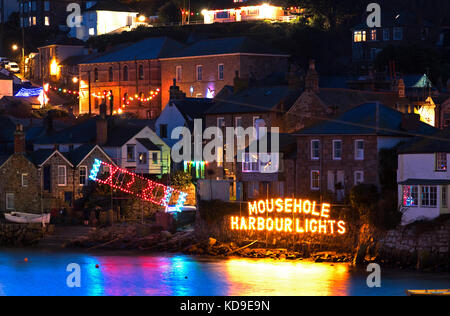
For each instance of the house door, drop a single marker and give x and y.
(47, 179)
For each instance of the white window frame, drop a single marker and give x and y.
(426, 196)
(335, 141)
(236, 119)
(85, 176)
(315, 188)
(61, 167)
(441, 158)
(221, 119)
(179, 73)
(312, 149)
(218, 72)
(361, 173)
(357, 150)
(412, 193)
(25, 176)
(197, 77)
(249, 166)
(7, 199)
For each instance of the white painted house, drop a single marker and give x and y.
(6, 86)
(141, 151)
(103, 18)
(424, 179)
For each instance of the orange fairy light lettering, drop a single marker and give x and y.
(269, 224)
(313, 226)
(243, 224)
(270, 209)
(252, 208)
(288, 225)
(307, 207)
(325, 210)
(298, 227)
(322, 227)
(279, 224)
(279, 204)
(261, 223)
(234, 223)
(297, 206)
(288, 206)
(341, 230)
(262, 207)
(313, 212)
(332, 226)
(251, 223)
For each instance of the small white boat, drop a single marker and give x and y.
(26, 218)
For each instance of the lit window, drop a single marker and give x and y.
(337, 149)
(359, 36)
(220, 75)
(34, 20)
(62, 178)
(155, 158)
(398, 33)
(131, 153)
(373, 35)
(250, 163)
(10, 201)
(219, 157)
(199, 73)
(179, 70)
(359, 177)
(410, 196)
(315, 150)
(142, 158)
(83, 175)
(429, 196)
(91, 31)
(24, 180)
(441, 161)
(315, 180)
(47, 21)
(359, 150)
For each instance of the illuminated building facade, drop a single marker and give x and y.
(204, 68)
(249, 11)
(423, 178)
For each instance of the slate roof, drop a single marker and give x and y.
(252, 100)
(439, 143)
(150, 48)
(148, 144)
(7, 129)
(118, 136)
(288, 144)
(228, 45)
(346, 99)
(192, 108)
(77, 155)
(362, 120)
(39, 156)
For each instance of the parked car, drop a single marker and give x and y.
(13, 67)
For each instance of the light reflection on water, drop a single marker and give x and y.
(45, 274)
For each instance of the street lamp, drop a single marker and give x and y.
(16, 47)
(75, 80)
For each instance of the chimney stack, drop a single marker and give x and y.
(175, 93)
(102, 126)
(400, 87)
(312, 78)
(19, 140)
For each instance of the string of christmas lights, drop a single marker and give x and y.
(146, 190)
(65, 91)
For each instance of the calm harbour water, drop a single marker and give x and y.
(132, 274)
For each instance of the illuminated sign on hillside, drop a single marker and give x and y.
(289, 216)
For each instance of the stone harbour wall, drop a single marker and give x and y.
(21, 235)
